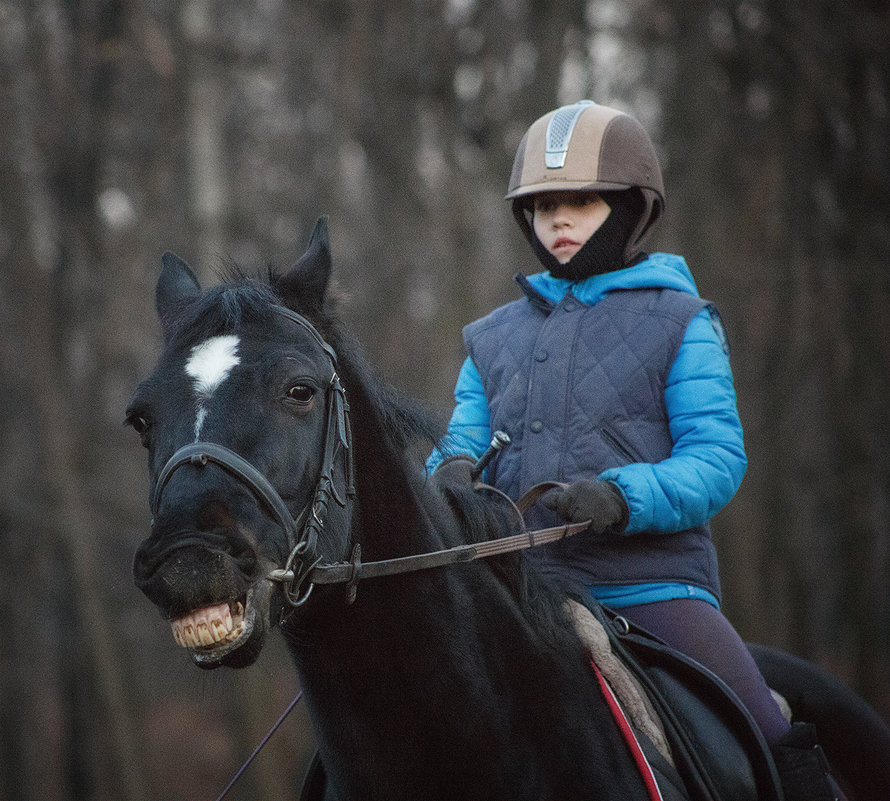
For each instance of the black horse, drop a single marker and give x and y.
(283, 472)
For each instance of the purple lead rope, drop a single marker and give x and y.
(260, 746)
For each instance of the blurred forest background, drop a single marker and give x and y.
(221, 129)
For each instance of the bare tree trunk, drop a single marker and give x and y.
(56, 517)
(206, 107)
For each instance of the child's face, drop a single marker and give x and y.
(564, 221)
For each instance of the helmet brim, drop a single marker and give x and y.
(558, 185)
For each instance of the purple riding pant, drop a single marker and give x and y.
(700, 631)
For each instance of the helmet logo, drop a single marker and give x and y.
(559, 133)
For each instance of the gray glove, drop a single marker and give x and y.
(600, 502)
(455, 471)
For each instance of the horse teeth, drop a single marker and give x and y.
(235, 633)
(185, 636)
(208, 626)
(204, 635)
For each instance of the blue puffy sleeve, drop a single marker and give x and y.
(469, 430)
(708, 459)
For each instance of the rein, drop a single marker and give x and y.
(350, 572)
(303, 568)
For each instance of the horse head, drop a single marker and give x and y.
(247, 431)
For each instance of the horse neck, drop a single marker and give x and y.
(396, 676)
(391, 509)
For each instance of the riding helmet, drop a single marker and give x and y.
(586, 146)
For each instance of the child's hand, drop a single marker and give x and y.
(600, 502)
(455, 471)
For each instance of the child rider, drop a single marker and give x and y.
(612, 375)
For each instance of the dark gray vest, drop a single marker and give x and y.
(580, 389)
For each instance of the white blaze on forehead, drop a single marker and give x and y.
(211, 362)
(209, 365)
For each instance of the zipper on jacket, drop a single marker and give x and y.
(535, 298)
(617, 445)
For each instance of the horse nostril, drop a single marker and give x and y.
(215, 516)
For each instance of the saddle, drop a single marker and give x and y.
(689, 724)
(703, 732)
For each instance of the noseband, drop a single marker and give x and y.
(301, 531)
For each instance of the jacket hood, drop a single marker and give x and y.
(659, 270)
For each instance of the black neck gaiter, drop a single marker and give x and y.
(603, 251)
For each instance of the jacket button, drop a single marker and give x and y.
(570, 306)
(541, 356)
(537, 426)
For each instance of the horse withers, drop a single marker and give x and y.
(279, 460)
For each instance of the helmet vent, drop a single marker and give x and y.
(559, 133)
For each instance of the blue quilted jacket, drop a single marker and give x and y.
(696, 460)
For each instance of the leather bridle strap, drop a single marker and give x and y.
(199, 454)
(342, 572)
(300, 320)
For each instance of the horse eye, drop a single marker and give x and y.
(301, 394)
(137, 422)
(141, 425)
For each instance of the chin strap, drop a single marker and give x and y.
(603, 252)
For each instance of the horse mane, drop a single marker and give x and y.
(228, 306)
(541, 600)
(392, 434)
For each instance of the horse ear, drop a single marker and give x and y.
(307, 282)
(177, 286)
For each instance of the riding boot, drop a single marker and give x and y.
(803, 768)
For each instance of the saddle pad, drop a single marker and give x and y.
(630, 693)
(630, 738)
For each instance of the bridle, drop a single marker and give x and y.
(301, 531)
(304, 567)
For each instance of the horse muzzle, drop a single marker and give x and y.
(205, 575)
(218, 605)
